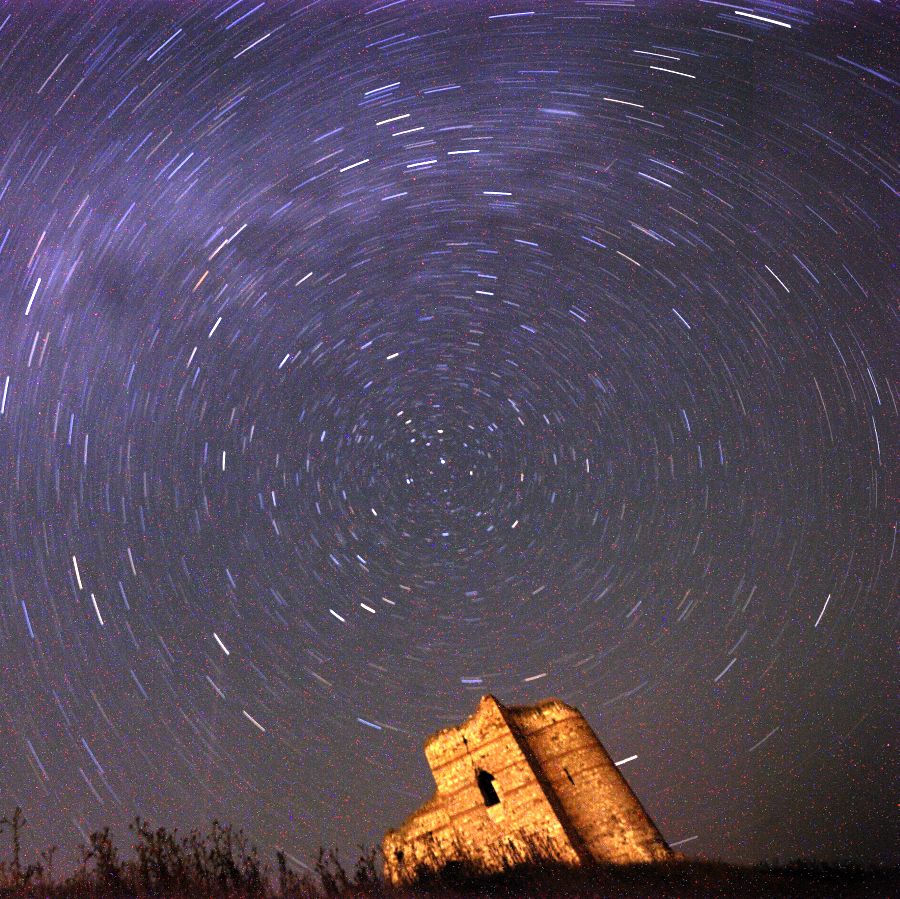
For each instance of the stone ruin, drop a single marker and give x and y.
(521, 784)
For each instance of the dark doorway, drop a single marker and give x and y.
(488, 790)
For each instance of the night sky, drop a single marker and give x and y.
(358, 360)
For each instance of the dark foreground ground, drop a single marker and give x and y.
(679, 880)
(222, 864)
(686, 880)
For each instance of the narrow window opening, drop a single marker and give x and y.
(571, 781)
(488, 791)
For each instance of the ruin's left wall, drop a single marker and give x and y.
(425, 839)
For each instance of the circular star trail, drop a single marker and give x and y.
(357, 360)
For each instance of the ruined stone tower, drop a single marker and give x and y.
(514, 783)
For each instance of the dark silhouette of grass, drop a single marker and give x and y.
(223, 864)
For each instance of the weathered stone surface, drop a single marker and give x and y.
(519, 783)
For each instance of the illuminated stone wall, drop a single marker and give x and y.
(518, 783)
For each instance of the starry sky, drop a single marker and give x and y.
(360, 359)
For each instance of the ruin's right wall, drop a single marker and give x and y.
(592, 793)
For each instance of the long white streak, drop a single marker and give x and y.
(53, 73)
(253, 721)
(384, 87)
(97, 609)
(251, 46)
(396, 118)
(165, 43)
(219, 641)
(216, 250)
(724, 671)
(3, 402)
(511, 15)
(750, 15)
(823, 611)
(777, 278)
(233, 236)
(682, 842)
(77, 573)
(630, 758)
(673, 72)
(763, 740)
(347, 168)
(624, 102)
(657, 180)
(37, 285)
(660, 55)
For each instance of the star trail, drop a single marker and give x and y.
(360, 359)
